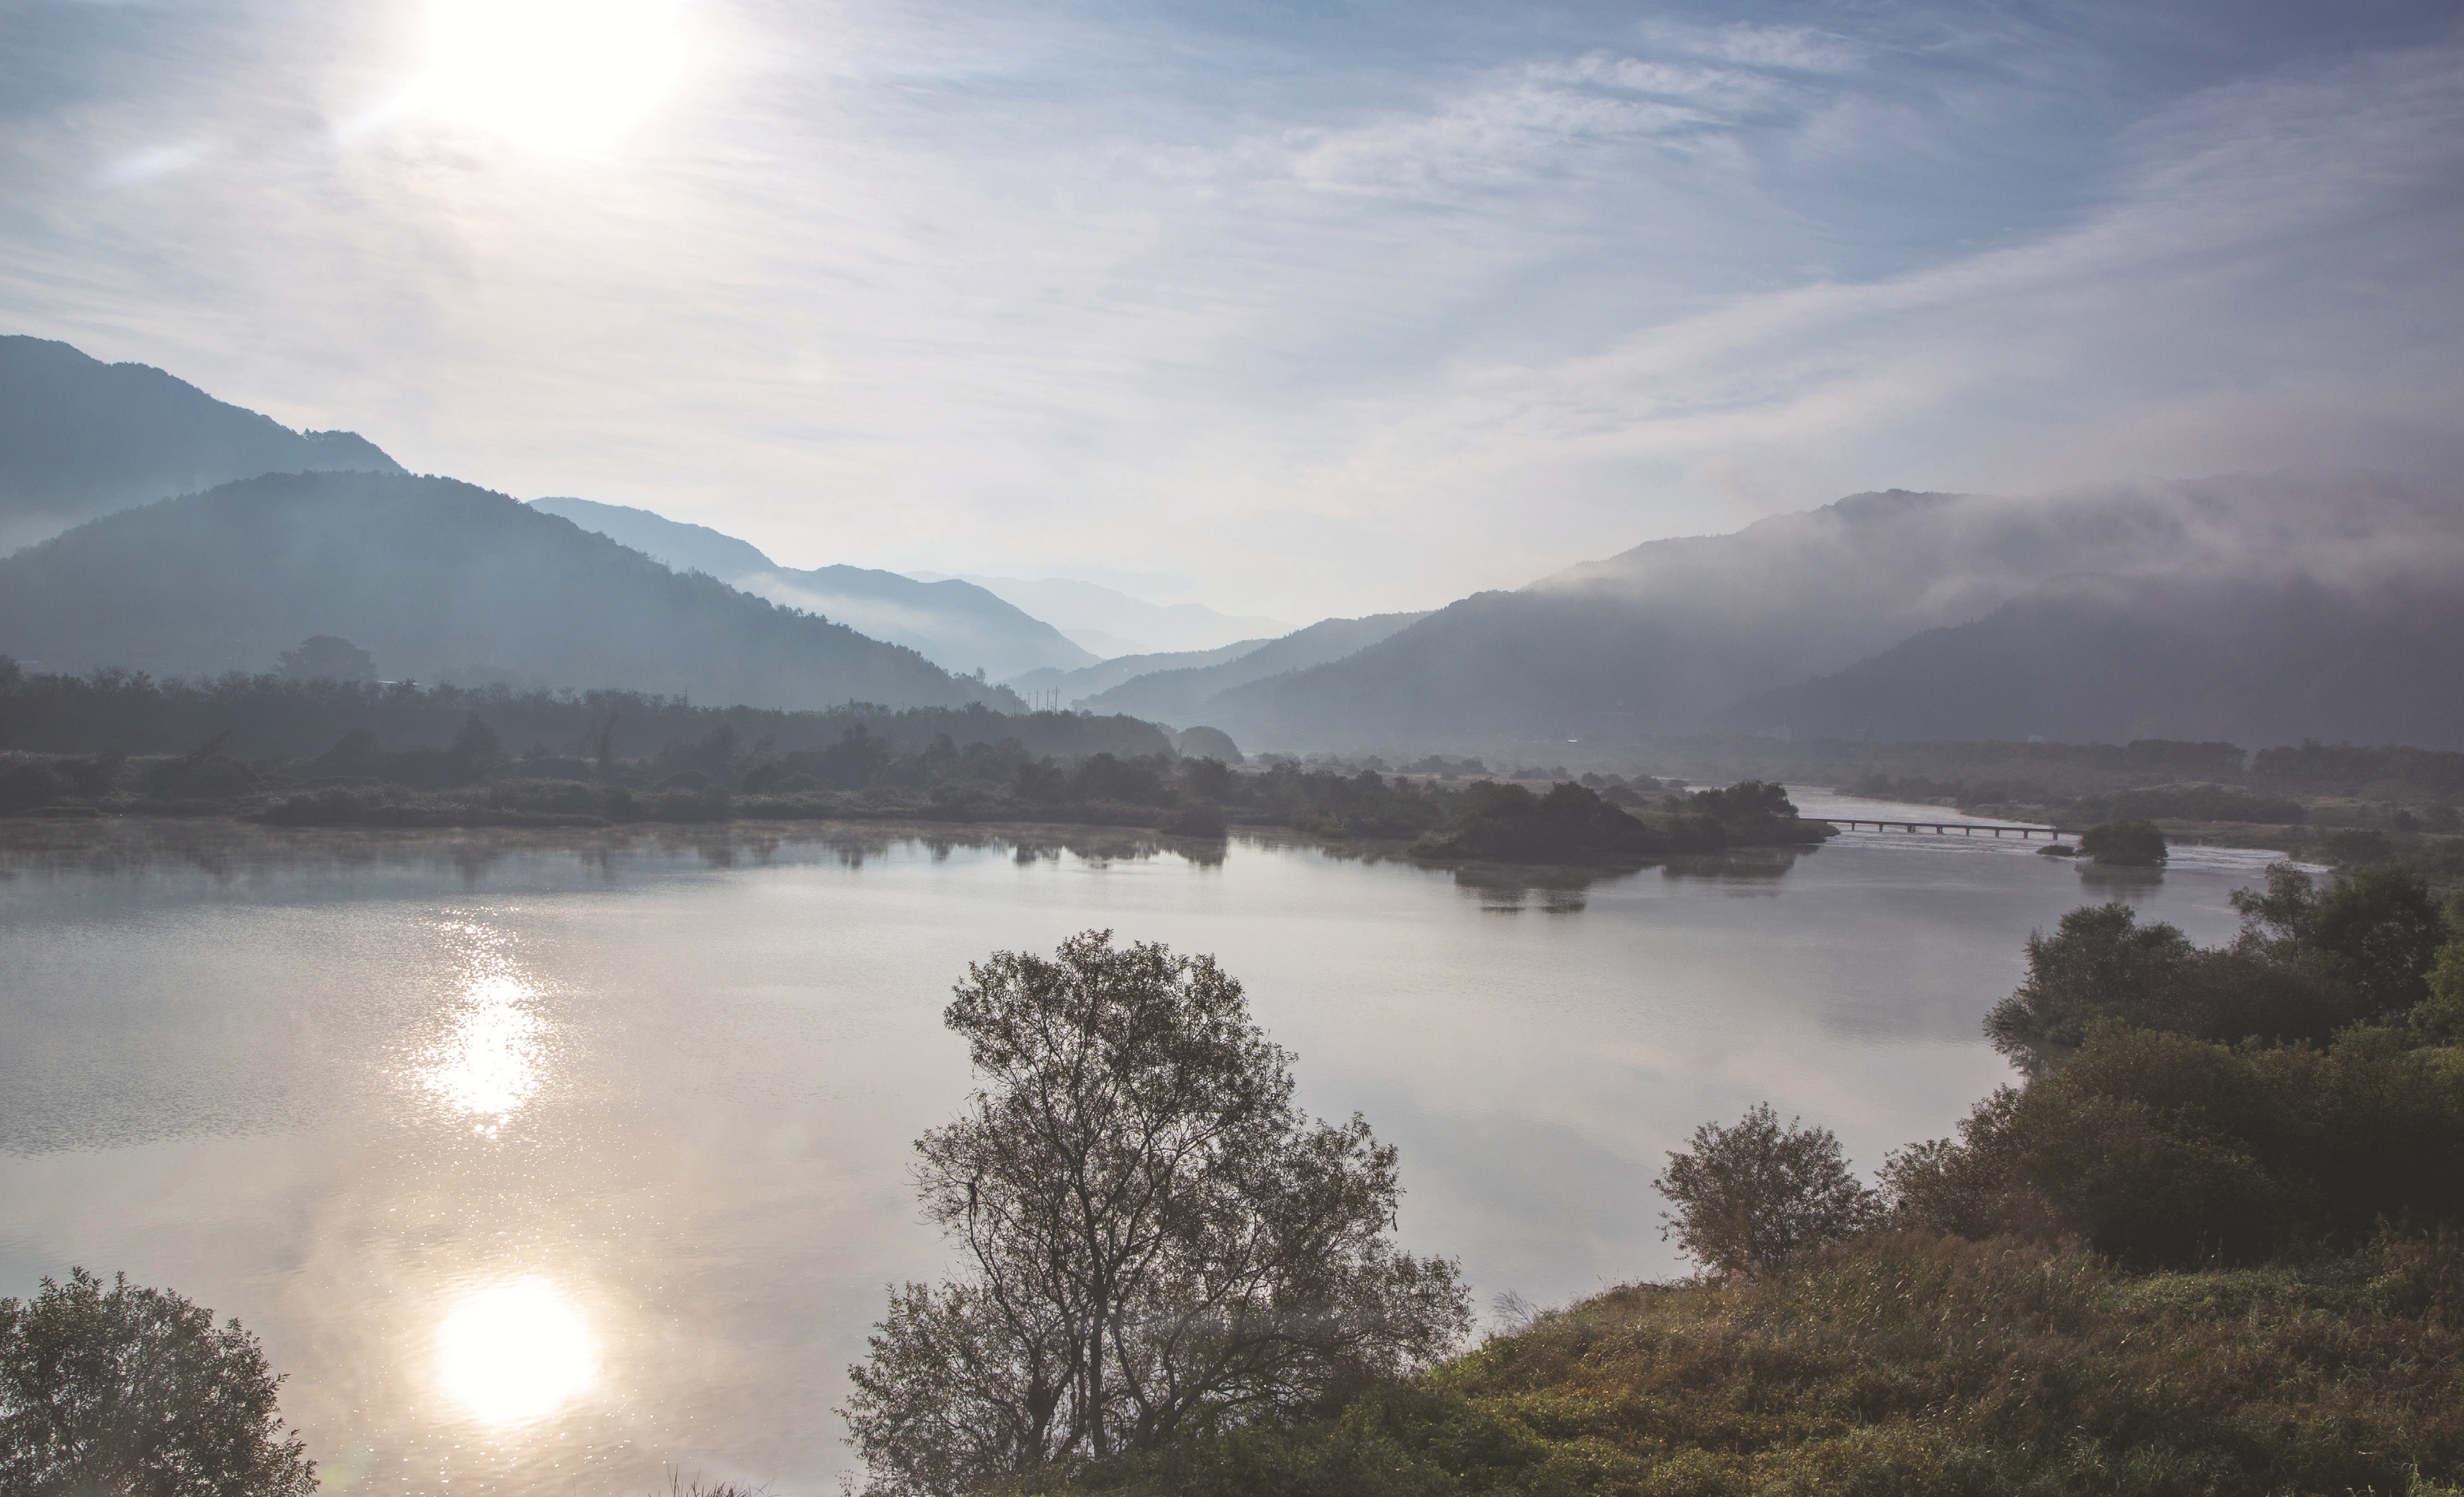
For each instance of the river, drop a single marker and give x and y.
(551, 1163)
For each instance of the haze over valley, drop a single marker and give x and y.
(939, 750)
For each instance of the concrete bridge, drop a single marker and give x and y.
(1943, 829)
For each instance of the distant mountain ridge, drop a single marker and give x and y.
(2257, 661)
(1669, 636)
(1085, 682)
(80, 438)
(1187, 693)
(1112, 623)
(957, 626)
(441, 581)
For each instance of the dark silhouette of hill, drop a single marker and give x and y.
(440, 581)
(2101, 659)
(1187, 693)
(80, 438)
(956, 625)
(1663, 638)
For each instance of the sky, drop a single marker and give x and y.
(1300, 309)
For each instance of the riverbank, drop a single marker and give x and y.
(1912, 1364)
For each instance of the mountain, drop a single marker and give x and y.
(80, 438)
(1086, 681)
(441, 581)
(1663, 638)
(1112, 623)
(956, 624)
(2250, 660)
(1187, 693)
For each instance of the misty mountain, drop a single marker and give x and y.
(1113, 624)
(956, 624)
(1086, 681)
(1187, 693)
(1664, 637)
(80, 438)
(441, 581)
(2254, 661)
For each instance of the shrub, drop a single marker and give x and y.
(1756, 1195)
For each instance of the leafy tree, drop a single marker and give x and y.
(1161, 1244)
(2125, 844)
(2440, 1016)
(1753, 1195)
(2386, 928)
(110, 1389)
(326, 657)
(1745, 801)
(2099, 963)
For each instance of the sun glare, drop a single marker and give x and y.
(515, 1351)
(552, 75)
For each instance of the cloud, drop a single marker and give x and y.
(2269, 283)
(1328, 326)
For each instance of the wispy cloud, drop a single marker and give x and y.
(1327, 328)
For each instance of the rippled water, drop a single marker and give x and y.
(549, 1162)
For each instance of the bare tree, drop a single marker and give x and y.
(1162, 1244)
(1754, 1194)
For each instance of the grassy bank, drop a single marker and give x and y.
(1913, 1363)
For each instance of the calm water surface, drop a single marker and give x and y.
(550, 1164)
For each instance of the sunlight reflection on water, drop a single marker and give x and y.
(515, 1351)
(491, 1062)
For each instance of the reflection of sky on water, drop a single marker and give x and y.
(548, 1162)
(489, 1064)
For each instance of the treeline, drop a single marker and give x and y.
(2041, 773)
(119, 712)
(874, 769)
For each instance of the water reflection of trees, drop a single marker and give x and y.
(2107, 881)
(228, 853)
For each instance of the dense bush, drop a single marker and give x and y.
(1756, 1196)
(2163, 1150)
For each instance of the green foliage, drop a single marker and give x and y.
(1911, 1363)
(2385, 929)
(2307, 964)
(2163, 1149)
(2125, 844)
(1160, 1245)
(1754, 1194)
(109, 1389)
(2198, 802)
(1507, 823)
(2440, 1017)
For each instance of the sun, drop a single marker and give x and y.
(515, 1351)
(558, 77)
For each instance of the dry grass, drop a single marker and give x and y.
(1915, 1364)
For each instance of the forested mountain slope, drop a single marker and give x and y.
(2099, 659)
(1186, 694)
(80, 438)
(441, 581)
(1667, 637)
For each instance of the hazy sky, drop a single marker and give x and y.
(1323, 308)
